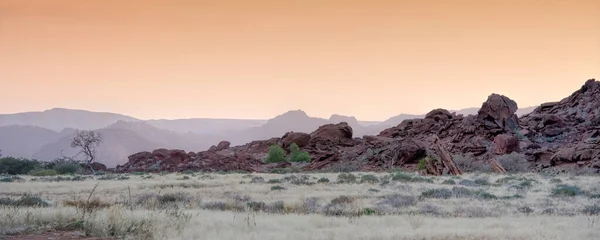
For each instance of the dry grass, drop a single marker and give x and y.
(244, 206)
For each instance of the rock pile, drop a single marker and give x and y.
(559, 133)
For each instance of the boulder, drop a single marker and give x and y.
(222, 146)
(499, 111)
(300, 139)
(505, 144)
(333, 132)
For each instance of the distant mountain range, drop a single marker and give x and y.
(45, 135)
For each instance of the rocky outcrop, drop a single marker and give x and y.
(564, 132)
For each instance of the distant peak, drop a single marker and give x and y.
(295, 113)
(341, 118)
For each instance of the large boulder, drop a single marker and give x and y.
(222, 145)
(499, 111)
(332, 135)
(300, 139)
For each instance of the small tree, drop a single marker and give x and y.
(276, 154)
(87, 142)
(297, 155)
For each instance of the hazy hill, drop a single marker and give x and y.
(206, 125)
(59, 118)
(23, 141)
(296, 120)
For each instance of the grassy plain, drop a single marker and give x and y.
(304, 206)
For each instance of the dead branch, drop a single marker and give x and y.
(445, 157)
(496, 166)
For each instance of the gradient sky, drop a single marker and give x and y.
(256, 59)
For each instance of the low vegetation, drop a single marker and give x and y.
(277, 154)
(22, 166)
(38, 196)
(359, 205)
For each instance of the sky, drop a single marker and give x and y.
(257, 59)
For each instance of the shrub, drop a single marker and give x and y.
(274, 180)
(301, 157)
(346, 178)
(277, 187)
(422, 164)
(437, 193)
(323, 180)
(591, 210)
(370, 178)
(467, 182)
(67, 168)
(449, 182)
(17, 166)
(340, 206)
(297, 155)
(555, 180)
(87, 206)
(276, 154)
(404, 177)
(566, 191)
(398, 201)
(514, 162)
(10, 179)
(482, 182)
(24, 201)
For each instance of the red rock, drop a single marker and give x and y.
(499, 110)
(300, 139)
(222, 146)
(505, 144)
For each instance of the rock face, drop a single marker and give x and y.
(565, 132)
(505, 144)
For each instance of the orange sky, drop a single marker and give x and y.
(257, 59)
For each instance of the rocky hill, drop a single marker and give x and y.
(555, 134)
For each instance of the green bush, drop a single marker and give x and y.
(17, 166)
(323, 180)
(566, 191)
(67, 168)
(297, 155)
(370, 178)
(276, 154)
(449, 182)
(301, 157)
(422, 164)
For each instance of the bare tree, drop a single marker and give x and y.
(87, 142)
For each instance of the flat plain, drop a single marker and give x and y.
(298, 206)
